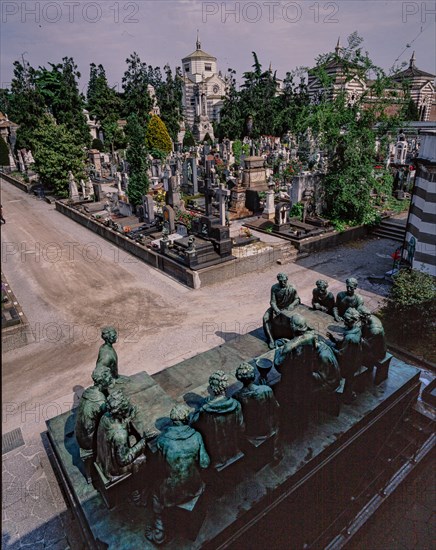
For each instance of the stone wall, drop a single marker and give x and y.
(20, 184)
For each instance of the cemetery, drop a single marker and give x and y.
(293, 434)
(198, 238)
(211, 451)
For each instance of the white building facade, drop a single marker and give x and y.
(203, 91)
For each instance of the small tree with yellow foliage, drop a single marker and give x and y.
(157, 138)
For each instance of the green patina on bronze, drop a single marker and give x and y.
(322, 300)
(182, 454)
(220, 422)
(107, 356)
(346, 299)
(284, 299)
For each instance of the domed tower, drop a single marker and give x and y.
(203, 90)
(422, 89)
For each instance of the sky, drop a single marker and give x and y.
(286, 34)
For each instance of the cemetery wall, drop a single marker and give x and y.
(193, 279)
(240, 266)
(167, 265)
(20, 184)
(321, 242)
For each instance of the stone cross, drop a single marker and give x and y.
(208, 191)
(222, 193)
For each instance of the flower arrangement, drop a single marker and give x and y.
(159, 197)
(185, 217)
(245, 232)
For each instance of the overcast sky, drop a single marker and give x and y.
(287, 34)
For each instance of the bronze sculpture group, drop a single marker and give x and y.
(216, 435)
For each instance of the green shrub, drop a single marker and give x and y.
(410, 309)
(97, 144)
(188, 139)
(297, 210)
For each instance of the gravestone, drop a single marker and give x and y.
(125, 208)
(84, 189)
(21, 166)
(223, 194)
(191, 180)
(148, 206)
(169, 218)
(173, 197)
(308, 183)
(252, 200)
(281, 217)
(73, 191)
(181, 229)
(98, 192)
(166, 177)
(124, 181)
(94, 157)
(118, 182)
(237, 208)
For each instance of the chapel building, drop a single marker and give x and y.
(203, 91)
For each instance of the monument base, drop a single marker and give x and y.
(287, 503)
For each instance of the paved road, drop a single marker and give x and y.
(71, 283)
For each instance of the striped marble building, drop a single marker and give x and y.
(421, 86)
(421, 222)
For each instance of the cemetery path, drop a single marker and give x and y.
(71, 282)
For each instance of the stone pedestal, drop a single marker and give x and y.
(254, 174)
(94, 157)
(269, 210)
(237, 207)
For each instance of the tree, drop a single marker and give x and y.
(231, 120)
(208, 139)
(4, 152)
(5, 101)
(157, 137)
(103, 101)
(26, 104)
(272, 112)
(136, 156)
(411, 111)
(169, 96)
(292, 104)
(114, 137)
(347, 132)
(60, 90)
(136, 99)
(188, 139)
(56, 153)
